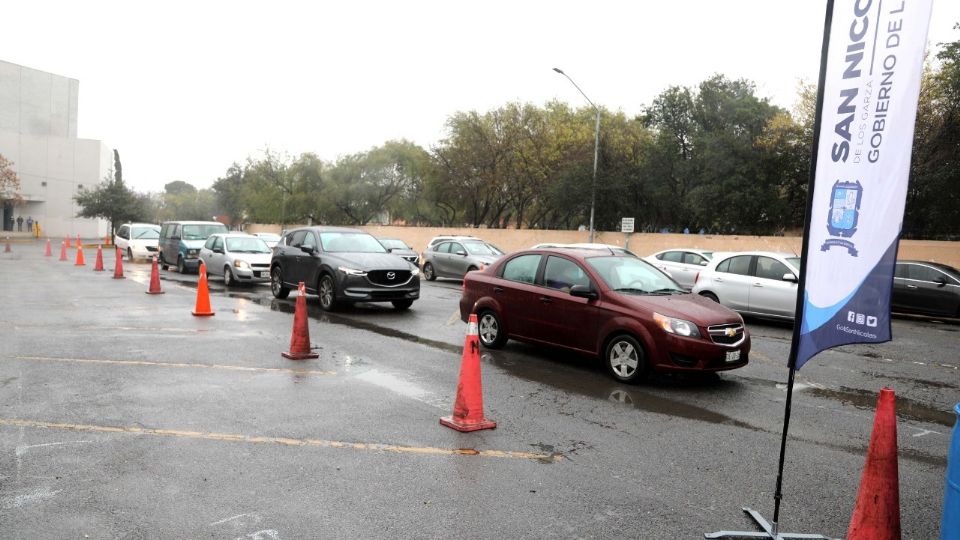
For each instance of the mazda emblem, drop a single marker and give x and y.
(391, 275)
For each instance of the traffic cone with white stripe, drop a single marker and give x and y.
(63, 251)
(300, 339)
(79, 261)
(47, 252)
(98, 266)
(468, 407)
(154, 278)
(118, 264)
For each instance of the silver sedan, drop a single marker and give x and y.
(759, 283)
(238, 257)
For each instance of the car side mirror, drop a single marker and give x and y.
(390, 250)
(583, 291)
(462, 253)
(310, 250)
(704, 263)
(790, 277)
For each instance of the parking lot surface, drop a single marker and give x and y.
(124, 416)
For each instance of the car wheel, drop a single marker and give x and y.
(402, 305)
(228, 279)
(181, 266)
(130, 254)
(625, 359)
(163, 264)
(491, 331)
(326, 290)
(276, 284)
(428, 272)
(471, 269)
(711, 296)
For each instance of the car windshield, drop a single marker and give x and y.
(393, 243)
(794, 261)
(250, 244)
(144, 233)
(630, 275)
(338, 242)
(481, 248)
(202, 231)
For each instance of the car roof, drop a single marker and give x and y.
(695, 250)
(325, 228)
(939, 266)
(141, 225)
(192, 222)
(784, 254)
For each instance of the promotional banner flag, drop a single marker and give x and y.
(870, 88)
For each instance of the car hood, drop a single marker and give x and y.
(404, 252)
(371, 261)
(691, 307)
(252, 258)
(193, 244)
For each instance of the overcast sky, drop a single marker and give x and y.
(185, 88)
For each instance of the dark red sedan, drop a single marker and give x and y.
(615, 306)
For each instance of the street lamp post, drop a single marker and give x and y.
(596, 149)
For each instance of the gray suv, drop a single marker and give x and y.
(454, 258)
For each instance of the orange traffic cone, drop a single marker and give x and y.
(118, 264)
(468, 408)
(78, 240)
(66, 240)
(300, 339)
(876, 515)
(63, 251)
(79, 261)
(98, 265)
(154, 278)
(202, 308)
(47, 252)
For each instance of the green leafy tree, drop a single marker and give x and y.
(113, 201)
(9, 182)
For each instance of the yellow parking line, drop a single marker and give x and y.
(286, 441)
(294, 371)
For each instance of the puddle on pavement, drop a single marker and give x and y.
(906, 408)
(313, 312)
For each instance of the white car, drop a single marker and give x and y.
(759, 283)
(137, 240)
(238, 257)
(682, 264)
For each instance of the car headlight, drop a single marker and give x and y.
(414, 271)
(193, 252)
(351, 271)
(241, 264)
(679, 327)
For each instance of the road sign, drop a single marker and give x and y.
(626, 225)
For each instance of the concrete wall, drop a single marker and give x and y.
(641, 244)
(38, 133)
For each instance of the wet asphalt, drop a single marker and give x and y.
(122, 415)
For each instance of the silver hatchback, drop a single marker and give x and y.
(238, 257)
(454, 258)
(759, 283)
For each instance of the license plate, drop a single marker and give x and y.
(733, 356)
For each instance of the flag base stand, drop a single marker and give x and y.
(769, 531)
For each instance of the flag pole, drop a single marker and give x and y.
(771, 530)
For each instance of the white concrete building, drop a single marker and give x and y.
(38, 133)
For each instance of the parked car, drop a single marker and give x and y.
(399, 247)
(759, 283)
(927, 288)
(269, 238)
(237, 257)
(683, 264)
(454, 258)
(443, 237)
(603, 247)
(137, 240)
(180, 243)
(611, 305)
(342, 266)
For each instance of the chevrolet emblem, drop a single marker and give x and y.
(730, 332)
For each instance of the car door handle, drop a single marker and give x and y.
(498, 289)
(546, 300)
(718, 279)
(911, 286)
(758, 284)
